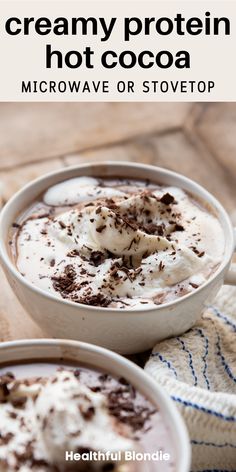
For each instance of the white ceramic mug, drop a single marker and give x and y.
(125, 331)
(99, 358)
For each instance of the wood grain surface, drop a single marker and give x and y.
(198, 140)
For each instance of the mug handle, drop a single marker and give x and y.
(230, 278)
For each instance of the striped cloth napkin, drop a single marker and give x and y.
(198, 370)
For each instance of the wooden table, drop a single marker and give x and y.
(198, 140)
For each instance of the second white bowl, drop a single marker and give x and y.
(102, 359)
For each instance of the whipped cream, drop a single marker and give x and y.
(44, 418)
(122, 244)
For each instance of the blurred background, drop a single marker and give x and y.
(197, 140)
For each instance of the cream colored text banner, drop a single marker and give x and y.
(117, 51)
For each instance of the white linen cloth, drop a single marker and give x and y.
(198, 370)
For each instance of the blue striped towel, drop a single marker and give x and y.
(198, 370)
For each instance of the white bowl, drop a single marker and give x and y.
(125, 331)
(99, 358)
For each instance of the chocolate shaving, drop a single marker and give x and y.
(87, 413)
(97, 258)
(201, 254)
(167, 199)
(121, 405)
(62, 225)
(196, 251)
(111, 204)
(193, 285)
(65, 283)
(5, 438)
(73, 253)
(98, 210)
(19, 402)
(178, 227)
(95, 300)
(161, 266)
(154, 229)
(77, 373)
(5, 380)
(100, 228)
